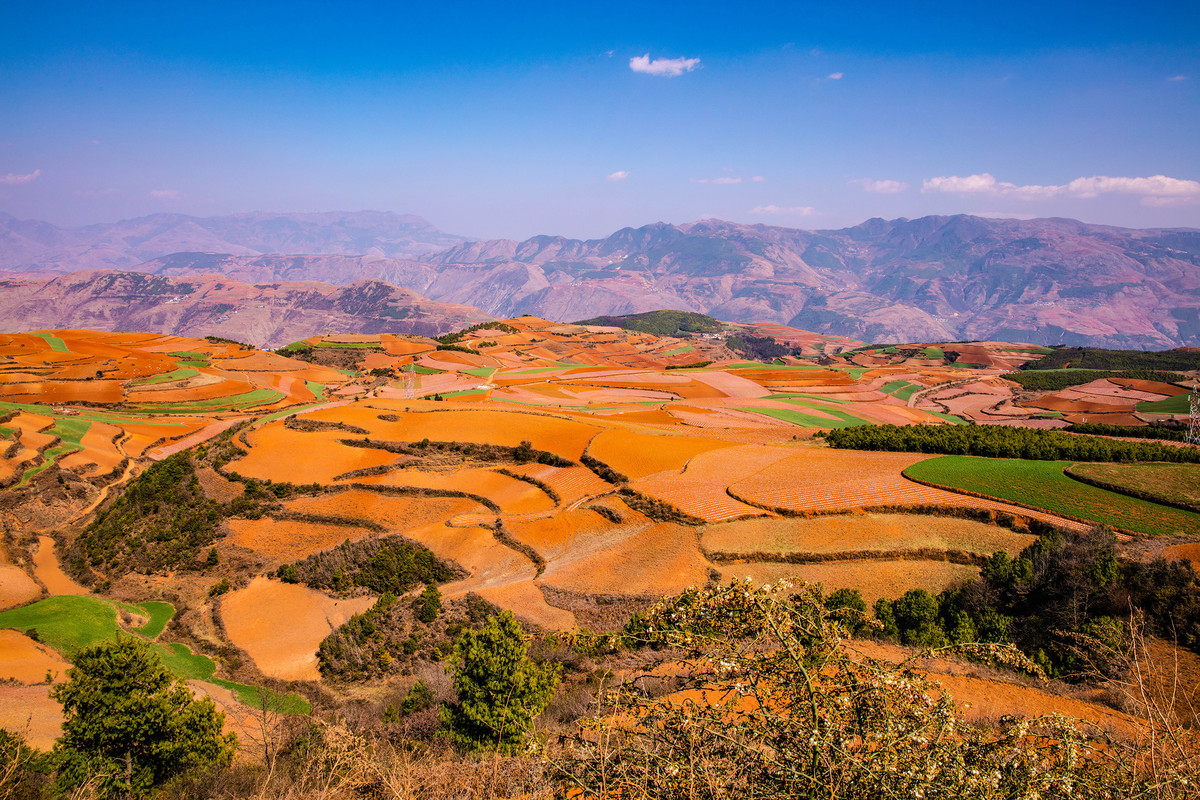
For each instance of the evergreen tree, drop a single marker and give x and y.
(129, 725)
(500, 690)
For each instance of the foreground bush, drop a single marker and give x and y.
(773, 705)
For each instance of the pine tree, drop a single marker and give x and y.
(130, 725)
(500, 690)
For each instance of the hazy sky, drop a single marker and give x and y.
(513, 119)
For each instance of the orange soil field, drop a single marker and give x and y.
(394, 513)
(210, 391)
(16, 588)
(289, 540)
(47, 570)
(557, 536)
(1184, 552)
(280, 454)
(528, 603)
(849, 532)
(636, 455)
(98, 451)
(875, 579)
(571, 483)
(661, 558)
(731, 384)
(280, 625)
(565, 437)
(52, 392)
(29, 711)
(513, 496)
(488, 562)
(25, 661)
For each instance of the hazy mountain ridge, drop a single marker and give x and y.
(1052, 281)
(30, 245)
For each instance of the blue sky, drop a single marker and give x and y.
(514, 119)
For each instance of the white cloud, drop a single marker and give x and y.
(836, 76)
(726, 181)
(663, 67)
(1153, 189)
(165, 194)
(12, 179)
(800, 211)
(881, 187)
(1177, 78)
(619, 175)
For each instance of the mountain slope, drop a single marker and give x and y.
(267, 316)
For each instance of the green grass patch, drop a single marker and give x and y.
(855, 372)
(66, 623)
(157, 614)
(167, 377)
(463, 393)
(934, 352)
(899, 389)
(1173, 483)
(189, 355)
(1043, 485)
(256, 397)
(794, 396)
(843, 420)
(56, 344)
(191, 364)
(687, 348)
(1171, 405)
(533, 371)
(318, 389)
(70, 430)
(951, 418)
(479, 372)
(349, 373)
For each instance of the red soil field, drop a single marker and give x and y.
(528, 603)
(25, 661)
(512, 495)
(394, 513)
(29, 711)
(289, 540)
(849, 532)
(280, 625)
(637, 455)
(280, 454)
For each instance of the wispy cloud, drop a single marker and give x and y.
(1177, 78)
(165, 194)
(725, 181)
(880, 187)
(1154, 190)
(758, 179)
(12, 179)
(663, 67)
(836, 76)
(619, 175)
(799, 211)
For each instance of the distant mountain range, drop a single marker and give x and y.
(1049, 281)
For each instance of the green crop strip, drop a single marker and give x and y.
(1172, 405)
(167, 377)
(810, 420)
(56, 344)
(1043, 485)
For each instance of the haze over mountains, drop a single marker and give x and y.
(1050, 281)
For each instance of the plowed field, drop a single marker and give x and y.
(512, 495)
(660, 559)
(394, 513)
(850, 532)
(25, 661)
(279, 454)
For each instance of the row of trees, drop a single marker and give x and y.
(1001, 441)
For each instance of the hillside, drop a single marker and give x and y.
(266, 315)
